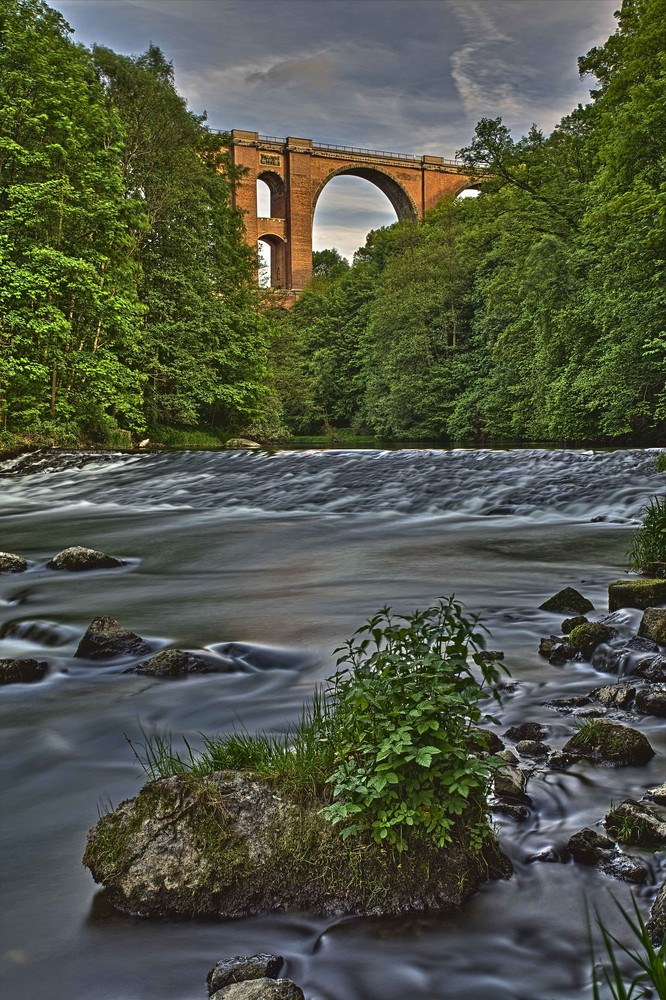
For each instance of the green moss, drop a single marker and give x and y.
(645, 593)
(587, 637)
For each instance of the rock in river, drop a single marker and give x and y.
(106, 639)
(178, 663)
(637, 823)
(21, 671)
(653, 624)
(260, 989)
(240, 968)
(77, 558)
(229, 845)
(567, 602)
(636, 593)
(610, 743)
(11, 563)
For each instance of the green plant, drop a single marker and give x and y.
(404, 704)
(660, 462)
(651, 961)
(649, 543)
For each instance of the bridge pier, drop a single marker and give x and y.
(297, 170)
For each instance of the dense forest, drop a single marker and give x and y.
(129, 304)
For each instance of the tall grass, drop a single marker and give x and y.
(650, 962)
(649, 543)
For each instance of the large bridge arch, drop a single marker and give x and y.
(297, 171)
(401, 202)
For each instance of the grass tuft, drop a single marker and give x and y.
(648, 960)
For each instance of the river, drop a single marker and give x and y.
(287, 553)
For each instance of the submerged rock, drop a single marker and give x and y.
(609, 742)
(260, 989)
(229, 845)
(652, 701)
(240, 968)
(586, 638)
(653, 624)
(106, 638)
(636, 594)
(567, 602)
(21, 671)
(11, 563)
(637, 823)
(588, 847)
(656, 925)
(77, 558)
(178, 663)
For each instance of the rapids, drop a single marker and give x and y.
(275, 559)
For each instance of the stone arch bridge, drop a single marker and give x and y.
(296, 172)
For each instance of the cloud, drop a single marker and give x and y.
(313, 71)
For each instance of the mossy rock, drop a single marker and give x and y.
(610, 743)
(636, 593)
(11, 563)
(585, 638)
(567, 602)
(231, 845)
(653, 625)
(637, 824)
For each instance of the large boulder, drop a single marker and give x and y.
(107, 639)
(229, 845)
(21, 671)
(11, 563)
(591, 848)
(609, 743)
(636, 594)
(637, 823)
(653, 624)
(260, 989)
(77, 558)
(240, 968)
(567, 602)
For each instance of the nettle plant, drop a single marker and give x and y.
(406, 697)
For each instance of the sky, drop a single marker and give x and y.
(411, 76)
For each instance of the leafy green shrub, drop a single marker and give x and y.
(649, 542)
(650, 961)
(404, 707)
(660, 462)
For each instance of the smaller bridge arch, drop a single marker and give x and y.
(297, 170)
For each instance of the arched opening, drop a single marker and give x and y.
(271, 196)
(469, 192)
(347, 207)
(272, 261)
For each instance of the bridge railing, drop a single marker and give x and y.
(358, 150)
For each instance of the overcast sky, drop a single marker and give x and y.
(410, 76)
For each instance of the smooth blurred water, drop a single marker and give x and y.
(288, 553)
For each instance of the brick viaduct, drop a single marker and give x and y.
(296, 172)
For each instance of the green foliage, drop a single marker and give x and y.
(649, 542)
(650, 961)
(660, 462)
(329, 263)
(404, 706)
(389, 746)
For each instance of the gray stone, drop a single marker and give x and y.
(570, 703)
(11, 563)
(21, 671)
(637, 823)
(510, 782)
(567, 602)
(526, 731)
(532, 748)
(653, 623)
(241, 443)
(229, 845)
(77, 558)
(240, 968)
(509, 807)
(105, 639)
(587, 846)
(622, 867)
(260, 989)
(556, 650)
(614, 695)
(657, 794)
(485, 741)
(639, 644)
(652, 701)
(656, 925)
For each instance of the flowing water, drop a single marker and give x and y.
(274, 559)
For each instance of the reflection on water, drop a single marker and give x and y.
(282, 557)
